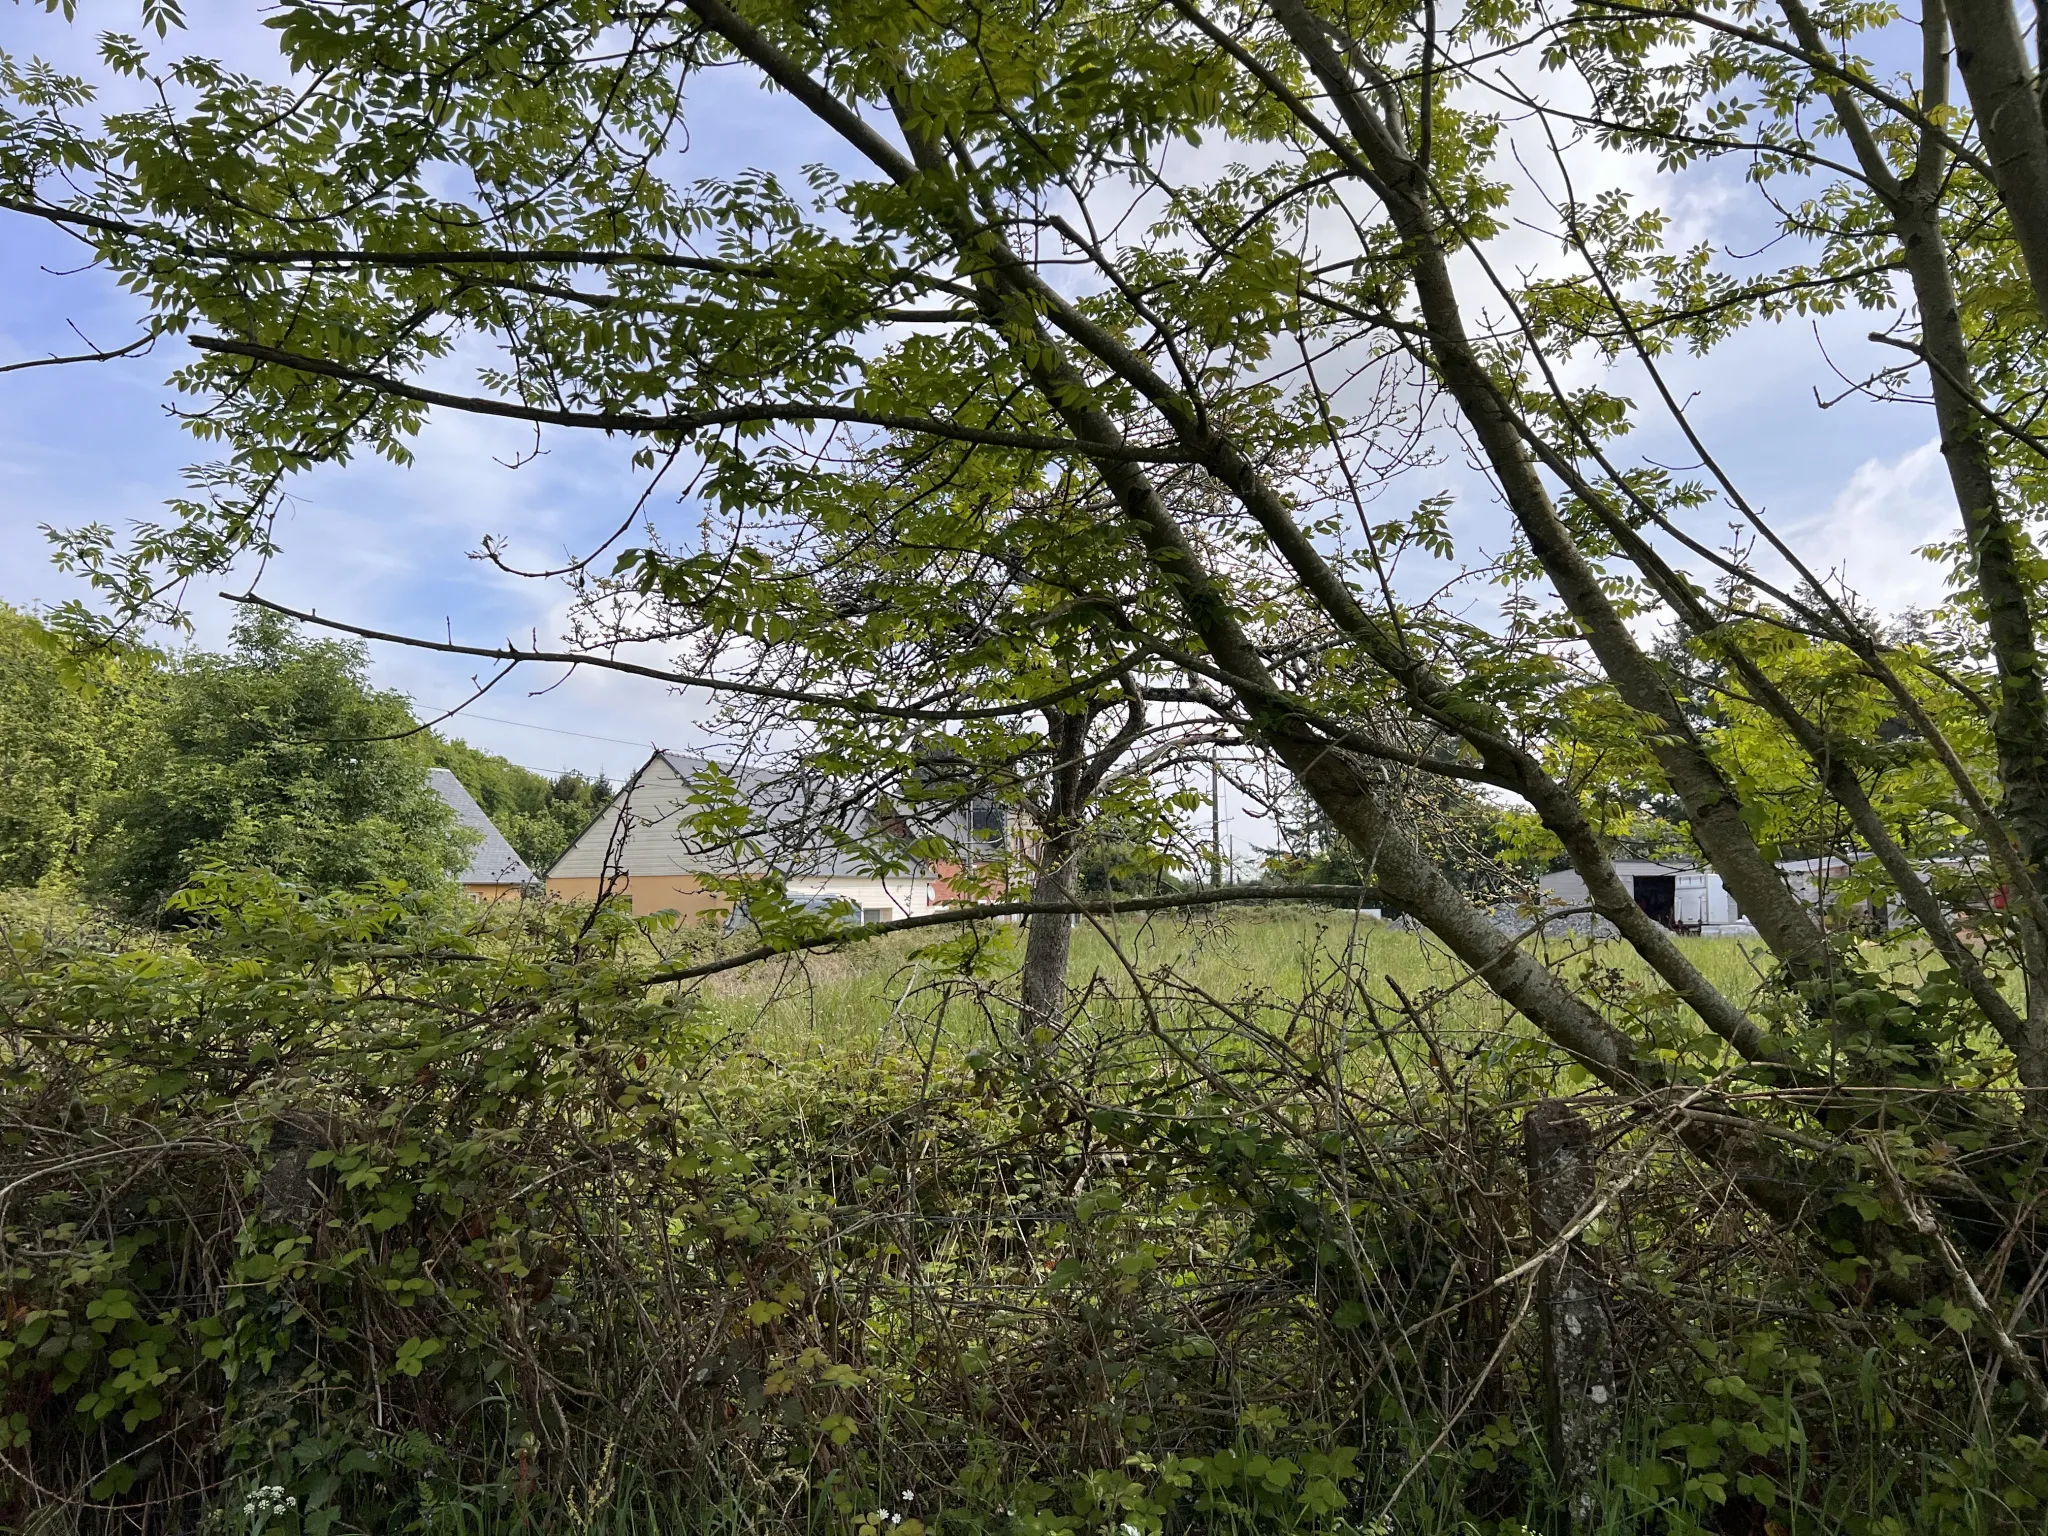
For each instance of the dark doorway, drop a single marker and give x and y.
(1657, 895)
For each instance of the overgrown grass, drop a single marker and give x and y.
(448, 1230)
(1262, 959)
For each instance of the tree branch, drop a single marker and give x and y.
(683, 421)
(853, 706)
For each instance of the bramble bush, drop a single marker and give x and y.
(385, 1212)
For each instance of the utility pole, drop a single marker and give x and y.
(1215, 820)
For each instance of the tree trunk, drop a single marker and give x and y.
(1048, 940)
(1992, 54)
(2019, 717)
(1049, 936)
(1712, 810)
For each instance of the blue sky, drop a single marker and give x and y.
(389, 548)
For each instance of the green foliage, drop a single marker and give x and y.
(539, 816)
(382, 1212)
(123, 771)
(277, 756)
(421, 1221)
(61, 725)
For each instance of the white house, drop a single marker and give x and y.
(646, 846)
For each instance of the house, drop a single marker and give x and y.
(647, 846)
(1681, 895)
(494, 871)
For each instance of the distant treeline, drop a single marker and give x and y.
(126, 772)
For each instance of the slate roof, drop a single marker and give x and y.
(492, 861)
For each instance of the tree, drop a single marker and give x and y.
(983, 691)
(1015, 270)
(277, 756)
(59, 728)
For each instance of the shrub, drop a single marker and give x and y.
(378, 1212)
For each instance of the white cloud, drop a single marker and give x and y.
(1869, 537)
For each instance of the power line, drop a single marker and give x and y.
(552, 730)
(550, 773)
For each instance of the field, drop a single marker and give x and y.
(1262, 962)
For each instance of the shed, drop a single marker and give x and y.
(1681, 895)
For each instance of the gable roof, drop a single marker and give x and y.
(492, 861)
(657, 837)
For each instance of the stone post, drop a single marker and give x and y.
(1578, 1353)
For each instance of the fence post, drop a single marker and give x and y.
(286, 1193)
(1578, 1354)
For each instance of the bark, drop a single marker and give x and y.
(1048, 941)
(286, 1194)
(1711, 807)
(1510, 765)
(1352, 795)
(2005, 100)
(1561, 814)
(1578, 1346)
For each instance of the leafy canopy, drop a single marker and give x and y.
(278, 756)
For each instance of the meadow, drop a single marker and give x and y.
(1262, 961)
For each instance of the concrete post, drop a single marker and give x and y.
(1578, 1353)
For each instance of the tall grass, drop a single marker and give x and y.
(883, 994)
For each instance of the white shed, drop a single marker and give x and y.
(1681, 895)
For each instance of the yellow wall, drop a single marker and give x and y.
(647, 893)
(495, 892)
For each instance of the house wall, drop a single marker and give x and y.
(494, 890)
(664, 857)
(905, 897)
(948, 884)
(683, 894)
(644, 893)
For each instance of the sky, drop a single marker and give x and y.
(1859, 485)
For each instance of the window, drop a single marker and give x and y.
(875, 915)
(984, 820)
